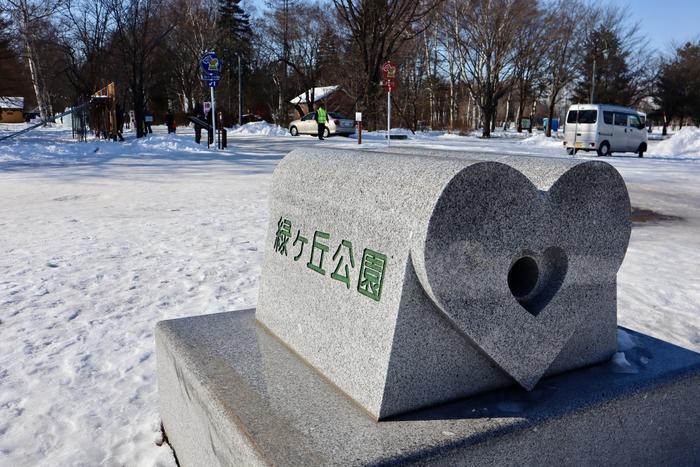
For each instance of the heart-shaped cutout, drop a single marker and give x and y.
(575, 222)
(534, 279)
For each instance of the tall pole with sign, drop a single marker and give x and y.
(211, 68)
(389, 83)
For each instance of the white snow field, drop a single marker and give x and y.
(100, 240)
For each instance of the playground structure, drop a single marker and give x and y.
(98, 114)
(103, 113)
(101, 116)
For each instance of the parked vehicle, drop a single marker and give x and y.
(336, 125)
(605, 129)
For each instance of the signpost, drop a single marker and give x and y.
(358, 119)
(211, 67)
(389, 71)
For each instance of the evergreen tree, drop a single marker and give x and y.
(613, 80)
(234, 42)
(678, 85)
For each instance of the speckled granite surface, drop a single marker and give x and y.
(232, 394)
(410, 280)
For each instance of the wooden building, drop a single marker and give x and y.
(334, 98)
(11, 109)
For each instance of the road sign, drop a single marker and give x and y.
(389, 70)
(389, 85)
(211, 64)
(213, 83)
(210, 76)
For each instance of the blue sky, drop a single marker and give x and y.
(662, 21)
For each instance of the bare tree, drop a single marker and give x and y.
(378, 28)
(191, 37)
(86, 32)
(305, 47)
(569, 23)
(140, 30)
(530, 47)
(485, 36)
(27, 16)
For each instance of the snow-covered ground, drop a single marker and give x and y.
(100, 240)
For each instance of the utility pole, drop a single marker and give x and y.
(240, 91)
(593, 80)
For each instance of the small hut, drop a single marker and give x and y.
(103, 112)
(11, 109)
(334, 98)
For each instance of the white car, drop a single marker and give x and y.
(336, 125)
(605, 129)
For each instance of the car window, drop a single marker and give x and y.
(634, 121)
(587, 116)
(608, 117)
(620, 119)
(309, 116)
(584, 116)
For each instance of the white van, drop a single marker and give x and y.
(605, 129)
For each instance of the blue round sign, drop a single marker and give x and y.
(211, 64)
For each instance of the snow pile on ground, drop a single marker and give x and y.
(541, 140)
(685, 142)
(259, 129)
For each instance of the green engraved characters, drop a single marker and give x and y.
(284, 231)
(323, 248)
(303, 241)
(343, 262)
(372, 267)
(372, 274)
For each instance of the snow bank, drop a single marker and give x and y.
(684, 143)
(259, 129)
(541, 141)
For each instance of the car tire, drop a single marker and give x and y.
(571, 151)
(293, 131)
(326, 133)
(640, 151)
(604, 149)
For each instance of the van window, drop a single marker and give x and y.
(634, 121)
(584, 116)
(608, 117)
(620, 119)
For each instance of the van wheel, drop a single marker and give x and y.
(604, 149)
(642, 148)
(293, 131)
(571, 151)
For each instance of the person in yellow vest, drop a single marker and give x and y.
(321, 119)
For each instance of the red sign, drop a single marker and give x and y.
(389, 85)
(389, 71)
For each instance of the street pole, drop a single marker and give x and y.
(213, 116)
(593, 80)
(240, 93)
(388, 117)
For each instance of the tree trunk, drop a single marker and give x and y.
(664, 131)
(487, 112)
(550, 116)
(34, 69)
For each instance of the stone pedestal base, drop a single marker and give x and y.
(232, 394)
